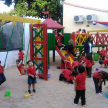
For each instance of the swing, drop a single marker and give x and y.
(22, 70)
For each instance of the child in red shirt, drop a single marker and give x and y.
(75, 64)
(31, 71)
(71, 78)
(21, 67)
(80, 86)
(64, 75)
(62, 65)
(59, 44)
(79, 59)
(2, 76)
(20, 55)
(102, 53)
(68, 62)
(98, 78)
(88, 64)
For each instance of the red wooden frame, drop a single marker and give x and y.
(45, 50)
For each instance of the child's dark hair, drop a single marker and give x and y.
(19, 50)
(62, 61)
(74, 73)
(79, 29)
(68, 68)
(18, 60)
(79, 57)
(81, 69)
(75, 59)
(0, 62)
(66, 54)
(105, 76)
(88, 56)
(29, 61)
(103, 47)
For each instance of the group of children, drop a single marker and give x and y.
(28, 69)
(76, 73)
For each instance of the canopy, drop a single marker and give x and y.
(103, 23)
(51, 24)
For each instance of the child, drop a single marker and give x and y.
(64, 75)
(67, 62)
(98, 78)
(20, 55)
(69, 47)
(87, 61)
(80, 86)
(21, 67)
(105, 62)
(75, 64)
(100, 61)
(71, 78)
(79, 59)
(102, 53)
(59, 44)
(2, 76)
(31, 71)
(62, 66)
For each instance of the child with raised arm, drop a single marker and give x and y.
(21, 67)
(80, 86)
(68, 62)
(31, 71)
(2, 76)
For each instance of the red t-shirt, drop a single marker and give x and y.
(20, 67)
(1, 69)
(62, 66)
(70, 78)
(59, 44)
(68, 65)
(58, 37)
(75, 63)
(102, 53)
(19, 54)
(97, 74)
(80, 80)
(31, 71)
(66, 73)
(88, 62)
(105, 61)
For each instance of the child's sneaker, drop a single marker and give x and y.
(34, 90)
(84, 105)
(99, 94)
(29, 91)
(74, 103)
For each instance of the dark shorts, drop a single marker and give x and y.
(31, 80)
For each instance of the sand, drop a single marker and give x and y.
(48, 94)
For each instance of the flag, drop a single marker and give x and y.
(45, 12)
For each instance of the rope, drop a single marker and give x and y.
(28, 44)
(9, 45)
(1, 37)
(22, 43)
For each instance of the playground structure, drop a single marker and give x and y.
(41, 42)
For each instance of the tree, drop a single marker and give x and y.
(36, 7)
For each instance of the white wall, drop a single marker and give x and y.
(68, 16)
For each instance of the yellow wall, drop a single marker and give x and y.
(69, 12)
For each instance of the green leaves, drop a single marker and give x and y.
(36, 7)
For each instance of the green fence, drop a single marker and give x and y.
(51, 41)
(66, 38)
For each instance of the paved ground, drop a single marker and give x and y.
(49, 94)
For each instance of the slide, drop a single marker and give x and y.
(62, 53)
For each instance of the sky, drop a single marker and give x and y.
(4, 8)
(99, 4)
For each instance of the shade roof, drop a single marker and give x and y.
(51, 24)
